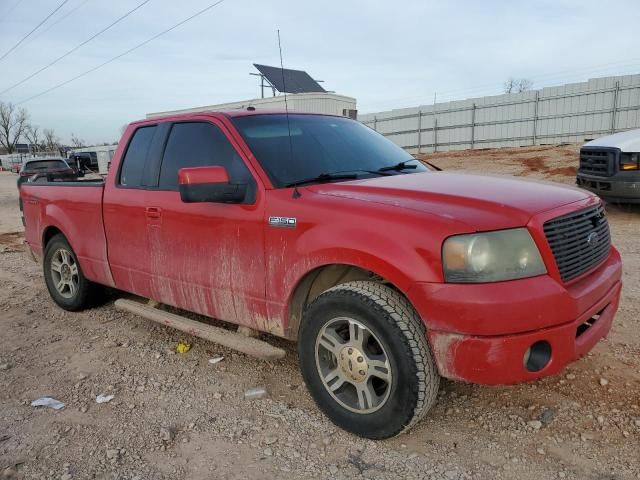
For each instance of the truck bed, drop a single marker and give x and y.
(73, 208)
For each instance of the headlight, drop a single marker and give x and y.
(491, 257)
(629, 161)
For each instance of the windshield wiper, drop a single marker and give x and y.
(399, 166)
(435, 167)
(342, 175)
(323, 177)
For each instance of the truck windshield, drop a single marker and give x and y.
(319, 147)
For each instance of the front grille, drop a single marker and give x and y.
(579, 240)
(597, 162)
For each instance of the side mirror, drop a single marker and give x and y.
(209, 184)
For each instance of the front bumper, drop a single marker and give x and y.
(614, 189)
(481, 333)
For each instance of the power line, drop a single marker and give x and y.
(36, 27)
(70, 12)
(74, 48)
(126, 52)
(11, 10)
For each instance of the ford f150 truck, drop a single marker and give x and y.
(315, 228)
(610, 167)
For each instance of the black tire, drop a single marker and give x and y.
(82, 296)
(395, 325)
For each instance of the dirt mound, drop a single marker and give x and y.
(535, 164)
(557, 163)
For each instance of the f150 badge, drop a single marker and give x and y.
(289, 222)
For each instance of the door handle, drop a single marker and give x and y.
(153, 212)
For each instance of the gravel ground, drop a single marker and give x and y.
(178, 416)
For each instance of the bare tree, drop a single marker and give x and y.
(517, 85)
(76, 142)
(510, 85)
(524, 85)
(13, 122)
(51, 141)
(32, 134)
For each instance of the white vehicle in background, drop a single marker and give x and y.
(610, 167)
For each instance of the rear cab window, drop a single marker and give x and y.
(44, 165)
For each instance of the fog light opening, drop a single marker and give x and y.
(537, 356)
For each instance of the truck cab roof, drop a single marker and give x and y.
(232, 113)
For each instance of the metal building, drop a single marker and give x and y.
(570, 113)
(314, 102)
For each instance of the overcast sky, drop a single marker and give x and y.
(387, 54)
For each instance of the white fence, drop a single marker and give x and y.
(569, 113)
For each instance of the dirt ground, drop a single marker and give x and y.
(178, 416)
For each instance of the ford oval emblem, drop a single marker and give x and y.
(593, 239)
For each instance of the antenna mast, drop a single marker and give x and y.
(296, 193)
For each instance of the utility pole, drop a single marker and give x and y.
(419, 131)
(473, 125)
(435, 124)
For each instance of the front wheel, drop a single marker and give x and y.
(63, 276)
(365, 358)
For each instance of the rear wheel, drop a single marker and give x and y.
(366, 361)
(63, 275)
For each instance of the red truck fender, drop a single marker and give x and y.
(322, 269)
(87, 244)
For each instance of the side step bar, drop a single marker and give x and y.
(236, 341)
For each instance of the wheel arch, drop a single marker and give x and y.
(321, 279)
(49, 232)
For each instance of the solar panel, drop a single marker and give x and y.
(295, 81)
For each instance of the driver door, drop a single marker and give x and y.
(207, 257)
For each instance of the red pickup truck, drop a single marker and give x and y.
(317, 229)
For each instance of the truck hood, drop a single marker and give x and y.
(628, 141)
(482, 202)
